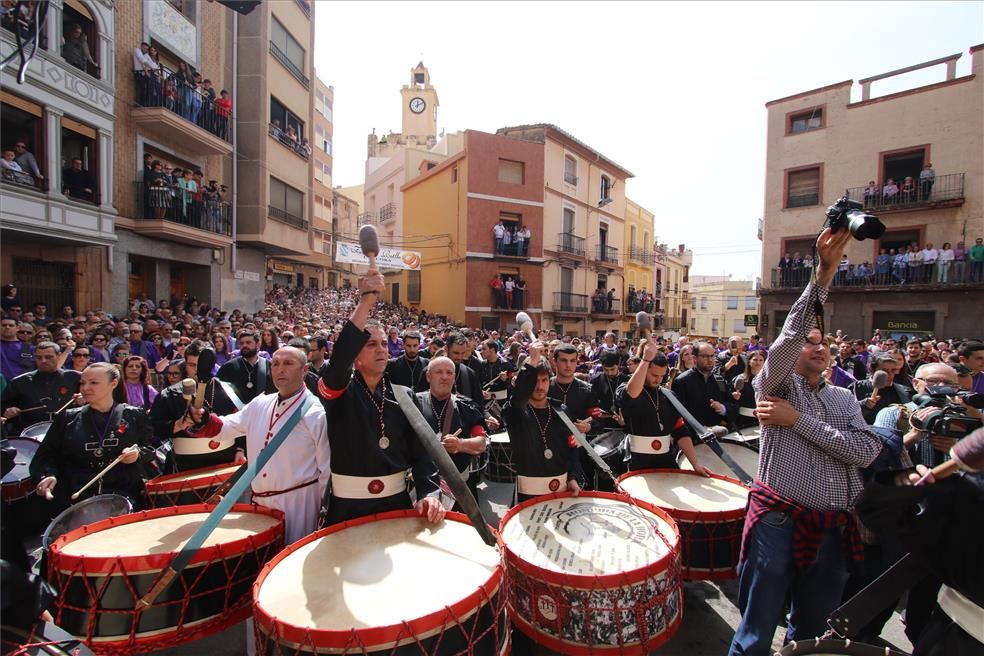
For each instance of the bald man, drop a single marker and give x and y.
(294, 479)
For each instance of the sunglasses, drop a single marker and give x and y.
(122, 355)
(80, 355)
(25, 332)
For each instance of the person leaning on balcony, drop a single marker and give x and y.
(977, 261)
(223, 110)
(960, 262)
(890, 192)
(943, 263)
(77, 182)
(158, 189)
(143, 68)
(26, 160)
(520, 239)
(926, 179)
(75, 49)
(929, 257)
(498, 230)
(871, 194)
(907, 191)
(8, 163)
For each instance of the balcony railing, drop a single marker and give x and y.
(570, 178)
(301, 148)
(20, 179)
(568, 302)
(570, 243)
(606, 254)
(518, 300)
(600, 304)
(387, 212)
(294, 70)
(286, 217)
(163, 88)
(305, 6)
(637, 304)
(170, 203)
(366, 218)
(641, 255)
(673, 323)
(944, 189)
(867, 277)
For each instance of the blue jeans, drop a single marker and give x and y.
(768, 574)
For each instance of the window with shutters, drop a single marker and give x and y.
(570, 170)
(287, 51)
(805, 121)
(703, 302)
(286, 204)
(803, 186)
(413, 286)
(511, 172)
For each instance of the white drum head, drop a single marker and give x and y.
(500, 395)
(167, 534)
(680, 491)
(747, 459)
(587, 535)
(198, 475)
(499, 438)
(377, 574)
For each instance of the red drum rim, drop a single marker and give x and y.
(377, 635)
(692, 515)
(189, 479)
(592, 581)
(148, 562)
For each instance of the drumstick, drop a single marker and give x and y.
(96, 478)
(62, 409)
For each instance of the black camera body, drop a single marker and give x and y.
(950, 419)
(850, 214)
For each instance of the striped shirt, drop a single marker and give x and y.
(815, 462)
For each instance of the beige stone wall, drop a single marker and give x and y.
(716, 319)
(948, 118)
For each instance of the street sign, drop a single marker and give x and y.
(751, 320)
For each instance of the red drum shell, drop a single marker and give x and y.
(18, 484)
(188, 610)
(188, 487)
(564, 586)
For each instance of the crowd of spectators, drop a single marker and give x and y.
(907, 190)
(183, 195)
(511, 239)
(910, 264)
(290, 138)
(183, 91)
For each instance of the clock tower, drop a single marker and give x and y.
(420, 107)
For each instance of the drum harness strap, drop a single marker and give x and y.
(244, 476)
(437, 452)
(707, 437)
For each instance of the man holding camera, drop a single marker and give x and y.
(799, 534)
(880, 391)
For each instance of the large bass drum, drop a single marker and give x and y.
(103, 569)
(593, 574)
(388, 584)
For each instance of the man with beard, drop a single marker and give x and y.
(848, 361)
(317, 351)
(458, 421)
(171, 421)
(703, 392)
(32, 397)
(408, 368)
(542, 448)
(605, 388)
(913, 360)
(730, 364)
(372, 442)
(249, 374)
(655, 429)
(493, 372)
(579, 397)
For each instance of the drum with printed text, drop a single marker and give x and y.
(593, 574)
(710, 512)
(390, 583)
(500, 468)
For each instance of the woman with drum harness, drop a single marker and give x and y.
(83, 441)
(654, 428)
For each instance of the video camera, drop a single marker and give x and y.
(846, 213)
(950, 419)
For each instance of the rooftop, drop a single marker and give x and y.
(569, 137)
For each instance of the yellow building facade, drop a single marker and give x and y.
(676, 288)
(640, 225)
(719, 306)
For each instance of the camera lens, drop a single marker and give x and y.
(864, 226)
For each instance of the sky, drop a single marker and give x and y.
(674, 92)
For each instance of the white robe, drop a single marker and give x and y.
(303, 456)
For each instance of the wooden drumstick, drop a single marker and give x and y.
(64, 407)
(96, 478)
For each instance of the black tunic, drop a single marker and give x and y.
(354, 433)
(82, 441)
(526, 440)
(650, 414)
(695, 393)
(238, 372)
(465, 415)
(406, 372)
(170, 406)
(312, 376)
(488, 372)
(52, 390)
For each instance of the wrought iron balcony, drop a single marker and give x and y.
(366, 218)
(601, 305)
(570, 243)
(286, 217)
(606, 254)
(945, 191)
(387, 212)
(568, 302)
(641, 255)
(294, 70)
(888, 277)
(301, 148)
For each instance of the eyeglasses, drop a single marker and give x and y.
(936, 380)
(25, 332)
(99, 339)
(80, 355)
(122, 355)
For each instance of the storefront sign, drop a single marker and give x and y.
(283, 268)
(751, 320)
(904, 321)
(388, 258)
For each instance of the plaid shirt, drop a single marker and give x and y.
(814, 463)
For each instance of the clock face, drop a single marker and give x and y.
(417, 105)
